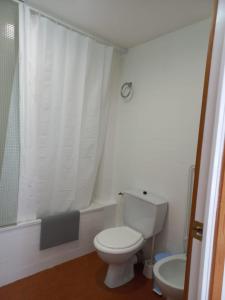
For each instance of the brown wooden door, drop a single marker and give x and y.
(192, 230)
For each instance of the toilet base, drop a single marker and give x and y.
(120, 274)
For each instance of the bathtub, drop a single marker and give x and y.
(19, 252)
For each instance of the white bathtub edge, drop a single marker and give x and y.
(95, 206)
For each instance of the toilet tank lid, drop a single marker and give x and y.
(149, 197)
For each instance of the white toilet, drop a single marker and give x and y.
(169, 274)
(143, 217)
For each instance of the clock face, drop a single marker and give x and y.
(127, 91)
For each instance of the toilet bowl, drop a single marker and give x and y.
(117, 247)
(169, 275)
(143, 217)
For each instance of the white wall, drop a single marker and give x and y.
(156, 133)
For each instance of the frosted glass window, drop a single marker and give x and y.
(9, 112)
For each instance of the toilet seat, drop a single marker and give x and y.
(120, 239)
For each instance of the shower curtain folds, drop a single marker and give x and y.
(64, 110)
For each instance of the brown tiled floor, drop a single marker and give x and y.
(79, 279)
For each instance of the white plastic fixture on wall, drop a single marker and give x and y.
(127, 91)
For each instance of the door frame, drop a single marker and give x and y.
(217, 273)
(216, 95)
(212, 93)
(216, 288)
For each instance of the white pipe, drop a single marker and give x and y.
(152, 250)
(73, 28)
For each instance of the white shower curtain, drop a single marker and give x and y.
(63, 117)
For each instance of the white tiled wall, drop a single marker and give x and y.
(19, 251)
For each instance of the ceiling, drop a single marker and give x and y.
(126, 23)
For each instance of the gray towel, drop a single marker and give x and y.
(59, 229)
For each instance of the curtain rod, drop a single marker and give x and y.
(75, 29)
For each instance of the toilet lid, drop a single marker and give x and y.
(119, 237)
